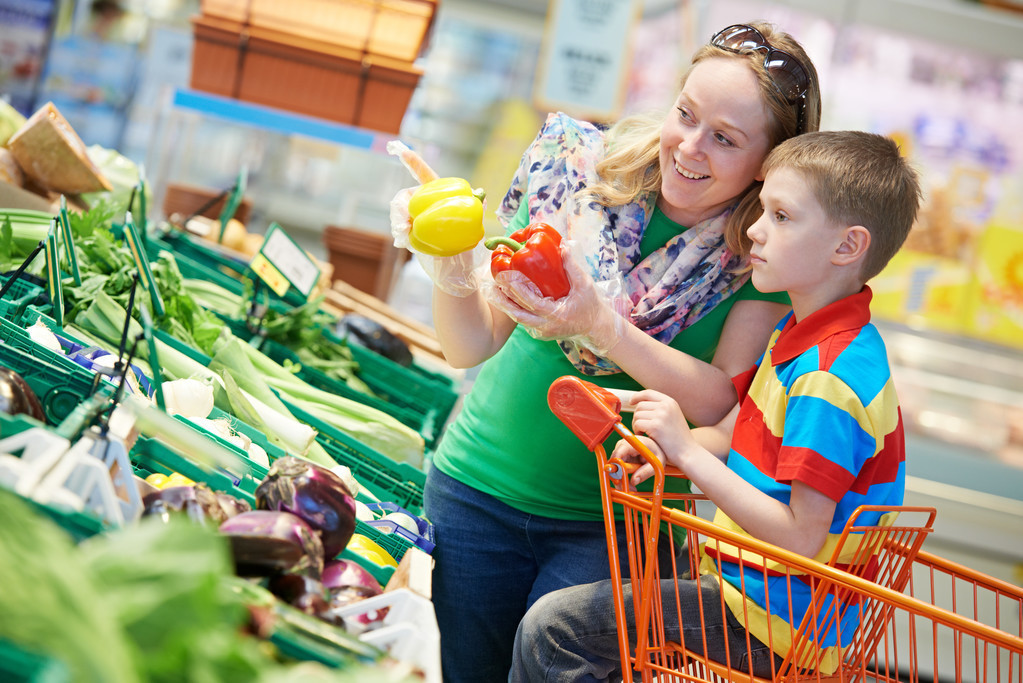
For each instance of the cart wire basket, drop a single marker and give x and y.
(882, 609)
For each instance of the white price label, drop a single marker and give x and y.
(290, 259)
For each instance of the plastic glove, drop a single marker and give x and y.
(456, 275)
(591, 314)
(401, 221)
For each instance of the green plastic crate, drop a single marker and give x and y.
(423, 421)
(197, 260)
(16, 424)
(404, 387)
(78, 525)
(19, 297)
(152, 455)
(397, 482)
(14, 335)
(19, 665)
(59, 389)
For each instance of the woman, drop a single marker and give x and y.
(657, 210)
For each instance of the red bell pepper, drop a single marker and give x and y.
(534, 251)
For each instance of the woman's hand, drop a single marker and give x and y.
(585, 315)
(455, 275)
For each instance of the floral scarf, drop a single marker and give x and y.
(664, 293)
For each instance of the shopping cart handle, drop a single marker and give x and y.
(591, 412)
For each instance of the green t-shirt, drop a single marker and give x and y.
(506, 442)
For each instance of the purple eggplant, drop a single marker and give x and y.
(265, 542)
(17, 397)
(198, 501)
(347, 582)
(302, 592)
(315, 494)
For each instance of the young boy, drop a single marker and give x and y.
(816, 433)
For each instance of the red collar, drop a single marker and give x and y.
(848, 313)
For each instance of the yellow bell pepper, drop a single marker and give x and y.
(447, 217)
(369, 549)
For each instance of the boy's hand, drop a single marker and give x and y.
(659, 416)
(625, 451)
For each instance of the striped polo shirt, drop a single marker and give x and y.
(820, 408)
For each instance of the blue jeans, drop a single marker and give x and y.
(571, 636)
(491, 563)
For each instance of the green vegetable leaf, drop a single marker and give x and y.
(6, 241)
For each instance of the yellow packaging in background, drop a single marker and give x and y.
(996, 299)
(923, 290)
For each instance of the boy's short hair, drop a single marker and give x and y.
(858, 178)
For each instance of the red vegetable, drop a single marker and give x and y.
(534, 251)
(264, 542)
(313, 493)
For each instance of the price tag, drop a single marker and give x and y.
(69, 242)
(145, 274)
(273, 278)
(584, 58)
(154, 361)
(53, 283)
(234, 199)
(280, 254)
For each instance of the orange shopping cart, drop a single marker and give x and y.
(896, 612)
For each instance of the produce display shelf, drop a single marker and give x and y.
(404, 387)
(414, 388)
(198, 261)
(423, 421)
(398, 482)
(383, 478)
(279, 121)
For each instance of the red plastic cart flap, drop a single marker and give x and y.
(588, 410)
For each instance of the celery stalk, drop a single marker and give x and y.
(233, 357)
(285, 432)
(372, 427)
(104, 318)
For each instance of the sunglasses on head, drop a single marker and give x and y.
(786, 71)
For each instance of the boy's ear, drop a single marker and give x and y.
(854, 245)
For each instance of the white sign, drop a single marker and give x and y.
(585, 57)
(290, 259)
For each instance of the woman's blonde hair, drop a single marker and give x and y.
(631, 167)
